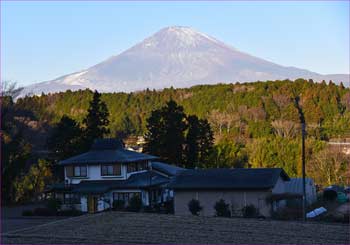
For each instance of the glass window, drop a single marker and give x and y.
(117, 169)
(111, 170)
(104, 170)
(77, 171)
(142, 165)
(70, 198)
(132, 167)
(125, 196)
(80, 171)
(83, 171)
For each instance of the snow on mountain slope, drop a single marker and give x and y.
(178, 57)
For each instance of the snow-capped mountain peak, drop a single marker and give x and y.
(175, 56)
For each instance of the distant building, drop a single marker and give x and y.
(343, 144)
(238, 187)
(109, 172)
(295, 185)
(135, 143)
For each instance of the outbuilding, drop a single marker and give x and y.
(237, 187)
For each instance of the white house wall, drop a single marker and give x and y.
(280, 186)
(94, 173)
(84, 204)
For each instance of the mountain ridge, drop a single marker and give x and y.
(175, 56)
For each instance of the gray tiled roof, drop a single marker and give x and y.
(167, 169)
(141, 180)
(136, 181)
(247, 178)
(107, 151)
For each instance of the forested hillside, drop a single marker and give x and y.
(255, 124)
(240, 110)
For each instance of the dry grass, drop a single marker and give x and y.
(122, 227)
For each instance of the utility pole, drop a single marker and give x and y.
(303, 133)
(303, 166)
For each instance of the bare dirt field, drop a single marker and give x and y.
(12, 219)
(123, 227)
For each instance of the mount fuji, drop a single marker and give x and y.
(179, 57)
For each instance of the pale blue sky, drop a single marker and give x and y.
(43, 40)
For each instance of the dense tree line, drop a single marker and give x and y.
(25, 182)
(254, 125)
(177, 138)
(239, 110)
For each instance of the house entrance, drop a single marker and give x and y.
(92, 204)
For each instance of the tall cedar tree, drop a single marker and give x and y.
(192, 142)
(165, 137)
(15, 150)
(96, 121)
(65, 138)
(199, 142)
(206, 141)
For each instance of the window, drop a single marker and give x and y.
(111, 170)
(142, 165)
(132, 167)
(125, 196)
(137, 166)
(80, 171)
(70, 198)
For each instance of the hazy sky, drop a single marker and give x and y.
(43, 40)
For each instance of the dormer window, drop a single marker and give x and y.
(111, 170)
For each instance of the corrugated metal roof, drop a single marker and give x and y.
(295, 185)
(252, 178)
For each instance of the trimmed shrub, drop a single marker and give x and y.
(249, 211)
(54, 204)
(194, 207)
(44, 212)
(169, 207)
(288, 213)
(118, 205)
(330, 195)
(70, 212)
(148, 209)
(27, 212)
(222, 208)
(135, 204)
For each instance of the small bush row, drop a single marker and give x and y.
(52, 209)
(50, 212)
(222, 209)
(134, 205)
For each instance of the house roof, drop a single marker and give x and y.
(223, 178)
(107, 151)
(295, 185)
(135, 181)
(167, 169)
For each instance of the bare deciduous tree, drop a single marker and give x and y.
(285, 128)
(9, 88)
(330, 166)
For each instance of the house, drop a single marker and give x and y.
(295, 185)
(109, 172)
(262, 187)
